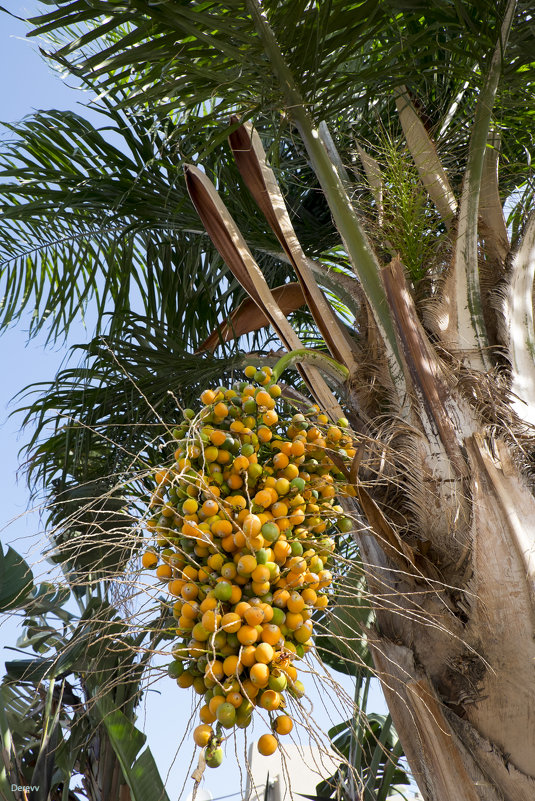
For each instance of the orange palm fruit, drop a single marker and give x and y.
(267, 745)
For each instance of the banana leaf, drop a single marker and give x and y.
(16, 579)
(139, 770)
(343, 644)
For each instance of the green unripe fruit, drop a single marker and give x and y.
(274, 569)
(254, 471)
(202, 661)
(249, 406)
(261, 556)
(226, 715)
(278, 617)
(223, 591)
(277, 681)
(213, 757)
(175, 669)
(270, 532)
(245, 708)
(345, 525)
(217, 640)
(187, 545)
(297, 548)
(298, 484)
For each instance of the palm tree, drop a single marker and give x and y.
(408, 129)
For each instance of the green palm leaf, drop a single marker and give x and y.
(109, 413)
(85, 222)
(336, 48)
(88, 225)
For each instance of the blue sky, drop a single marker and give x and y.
(29, 84)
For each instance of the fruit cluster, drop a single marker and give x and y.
(243, 523)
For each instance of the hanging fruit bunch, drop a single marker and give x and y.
(242, 524)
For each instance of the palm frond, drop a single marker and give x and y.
(91, 225)
(206, 61)
(86, 222)
(106, 418)
(184, 54)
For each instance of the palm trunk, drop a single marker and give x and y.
(457, 662)
(454, 644)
